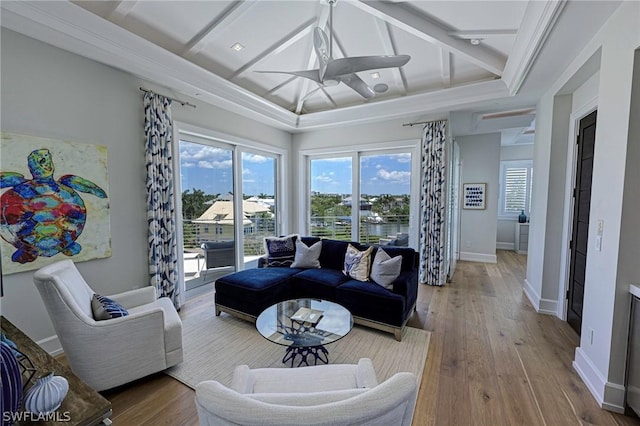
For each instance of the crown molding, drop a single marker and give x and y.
(537, 23)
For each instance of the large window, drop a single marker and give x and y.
(375, 196)
(515, 184)
(228, 202)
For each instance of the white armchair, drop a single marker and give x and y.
(338, 394)
(112, 352)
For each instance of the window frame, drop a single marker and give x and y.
(504, 166)
(411, 146)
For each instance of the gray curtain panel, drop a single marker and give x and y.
(432, 204)
(161, 214)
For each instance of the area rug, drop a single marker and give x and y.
(214, 346)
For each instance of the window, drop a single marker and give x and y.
(375, 196)
(515, 184)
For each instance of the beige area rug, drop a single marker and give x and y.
(213, 346)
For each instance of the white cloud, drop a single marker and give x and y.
(254, 158)
(394, 175)
(402, 158)
(225, 164)
(324, 178)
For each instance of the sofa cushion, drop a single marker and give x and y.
(408, 256)
(373, 302)
(252, 290)
(280, 250)
(357, 263)
(332, 254)
(307, 256)
(385, 269)
(317, 283)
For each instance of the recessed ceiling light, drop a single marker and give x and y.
(237, 47)
(375, 75)
(475, 41)
(380, 88)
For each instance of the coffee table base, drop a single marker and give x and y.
(315, 354)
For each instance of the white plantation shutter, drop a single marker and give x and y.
(515, 195)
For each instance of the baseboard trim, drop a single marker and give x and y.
(532, 295)
(51, 345)
(478, 257)
(505, 246)
(548, 307)
(610, 396)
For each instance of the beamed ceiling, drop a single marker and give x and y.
(463, 53)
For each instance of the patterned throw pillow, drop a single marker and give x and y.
(385, 269)
(307, 257)
(356, 263)
(280, 250)
(104, 308)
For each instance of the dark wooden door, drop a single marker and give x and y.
(580, 234)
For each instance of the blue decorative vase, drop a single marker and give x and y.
(522, 218)
(11, 384)
(46, 394)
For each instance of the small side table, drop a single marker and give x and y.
(82, 406)
(522, 238)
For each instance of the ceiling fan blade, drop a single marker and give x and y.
(357, 84)
(321, 46)
(342, 66)
(310, 74)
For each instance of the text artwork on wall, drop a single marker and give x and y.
(54, 201)
(474, 196)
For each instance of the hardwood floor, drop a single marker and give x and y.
(492, 361)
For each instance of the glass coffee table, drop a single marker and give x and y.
(305, 327)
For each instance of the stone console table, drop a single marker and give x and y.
(82, 406)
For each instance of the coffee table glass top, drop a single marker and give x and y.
(318, 323)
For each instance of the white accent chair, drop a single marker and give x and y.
(112, 352)
(341, 394)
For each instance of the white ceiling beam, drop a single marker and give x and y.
(389, 48)
(280, 86)
(409, 21)
(122, 9)
(482, 33)
(215, 27)
(445, 67)
(279, 46)
(323, 17)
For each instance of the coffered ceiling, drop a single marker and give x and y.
(462, 52)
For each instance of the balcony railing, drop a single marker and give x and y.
(371, 230)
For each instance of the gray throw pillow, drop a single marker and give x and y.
(385, 269)
(307, 257)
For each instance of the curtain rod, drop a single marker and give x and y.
(183, 103)
(420, 122)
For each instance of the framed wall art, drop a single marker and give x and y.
(55, 202)
(475, 195)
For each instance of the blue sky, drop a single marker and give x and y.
(209, 169)
(379, 174)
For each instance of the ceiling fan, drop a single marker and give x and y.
(332, 72)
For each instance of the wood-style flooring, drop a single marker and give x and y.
(492, 361)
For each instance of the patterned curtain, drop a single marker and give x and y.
(432, 205)
(161, 215)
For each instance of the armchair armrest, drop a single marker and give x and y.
(132, 298)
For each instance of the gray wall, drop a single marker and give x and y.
(480, 155)
(52, 93)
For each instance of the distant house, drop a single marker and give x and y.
(217, 223)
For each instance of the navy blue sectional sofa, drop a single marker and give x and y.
(247, 293)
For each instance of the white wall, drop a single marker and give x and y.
(505, 235)
(53, 93)
(600, 357)
(480, 156)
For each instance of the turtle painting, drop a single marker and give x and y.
(43, 216)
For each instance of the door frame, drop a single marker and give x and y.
(567, 220)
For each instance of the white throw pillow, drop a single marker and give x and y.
(356, 263)
(307, 257)
(385, 269)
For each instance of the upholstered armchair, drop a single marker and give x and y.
(341, 394)
(111, 352)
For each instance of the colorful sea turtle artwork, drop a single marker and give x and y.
(43, 216)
